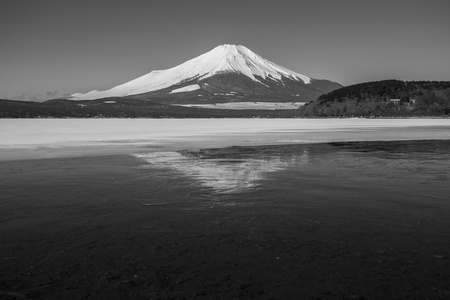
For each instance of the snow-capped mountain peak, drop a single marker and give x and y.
(223, 59)
(239, 59)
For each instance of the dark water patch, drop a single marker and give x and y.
(420, 146)
(388, 161)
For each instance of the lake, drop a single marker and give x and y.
(266, 209)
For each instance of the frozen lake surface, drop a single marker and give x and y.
(38, 138)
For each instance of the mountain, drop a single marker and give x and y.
(227, 73)
(386, 98)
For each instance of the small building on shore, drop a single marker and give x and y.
(394, 101)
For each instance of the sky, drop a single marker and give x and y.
(54, 48)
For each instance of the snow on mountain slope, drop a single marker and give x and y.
(189, 88)
(220, 60)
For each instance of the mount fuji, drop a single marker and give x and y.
(227, 73)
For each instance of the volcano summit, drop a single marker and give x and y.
(227, 73)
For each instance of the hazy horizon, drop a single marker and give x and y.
(56, 48)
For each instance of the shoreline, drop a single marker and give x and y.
(233, 118)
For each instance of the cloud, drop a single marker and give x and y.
(52, 94)
(38, 97)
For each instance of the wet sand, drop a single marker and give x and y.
(367, 220)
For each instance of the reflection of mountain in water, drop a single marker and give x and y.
(224, 170)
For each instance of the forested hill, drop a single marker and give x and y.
(125, 108)
(384, 98)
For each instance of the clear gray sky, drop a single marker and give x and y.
(50, 48)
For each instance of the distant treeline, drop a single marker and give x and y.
(125, 108)
(386, 98)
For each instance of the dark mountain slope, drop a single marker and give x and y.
(232, 87)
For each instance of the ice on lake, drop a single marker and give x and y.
(38, 138)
